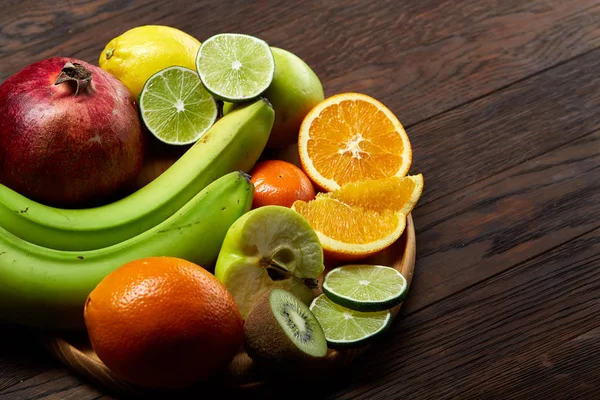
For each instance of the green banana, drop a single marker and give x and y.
(234, 143)
(47, 288)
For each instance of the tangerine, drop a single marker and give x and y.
(279, 183)
(163, 322)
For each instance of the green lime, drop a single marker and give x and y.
(365, 287)
(175, 106)
(235, 67)
(345, 328)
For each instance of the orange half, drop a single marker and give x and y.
(352, 137)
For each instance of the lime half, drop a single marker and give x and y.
(175, 106)
(365, 287)
(235, 67)
(345, 328)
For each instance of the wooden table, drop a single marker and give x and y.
(501, 100)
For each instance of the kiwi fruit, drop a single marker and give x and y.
(280, 329)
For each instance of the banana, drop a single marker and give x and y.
(47, 288)
(235, 142)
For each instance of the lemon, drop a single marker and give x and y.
(141, 52)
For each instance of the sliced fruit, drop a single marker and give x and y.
(395, 193)
(362, 218)
(350, 232)
(365, 287)
(345, 328)
(175, 106)
(281, 329)
(269, 247)
(351, 137)
(235, 67)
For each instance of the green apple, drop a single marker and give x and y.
(269, 247)
(294, 91)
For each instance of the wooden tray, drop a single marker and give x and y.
(77, 354)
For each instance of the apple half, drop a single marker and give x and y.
(266, 248)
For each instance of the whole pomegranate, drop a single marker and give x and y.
(70, 133)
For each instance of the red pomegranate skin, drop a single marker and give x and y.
(65, 150)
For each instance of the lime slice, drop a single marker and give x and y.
(345, 328)
(235, 67)
(365, 287)
(175, 106)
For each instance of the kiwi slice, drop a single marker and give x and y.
(281, 329)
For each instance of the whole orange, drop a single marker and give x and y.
(279, 183)
(163, 322)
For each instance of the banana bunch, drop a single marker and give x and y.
(51, 259)
(235, 142)
(47, 288)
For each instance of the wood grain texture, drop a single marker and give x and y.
(15, 363)
(421, 57)
(513, 125)
(530, 332)
(506, 219)
(500, 101)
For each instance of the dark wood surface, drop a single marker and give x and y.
(501, 100)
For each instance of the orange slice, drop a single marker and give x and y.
(396, 194)
(351, 137)
(362, 218)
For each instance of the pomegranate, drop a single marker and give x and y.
(70, 133)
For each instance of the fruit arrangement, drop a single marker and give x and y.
(259, 204)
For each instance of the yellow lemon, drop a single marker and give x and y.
(143, 51)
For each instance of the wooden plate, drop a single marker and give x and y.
(77, 354)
